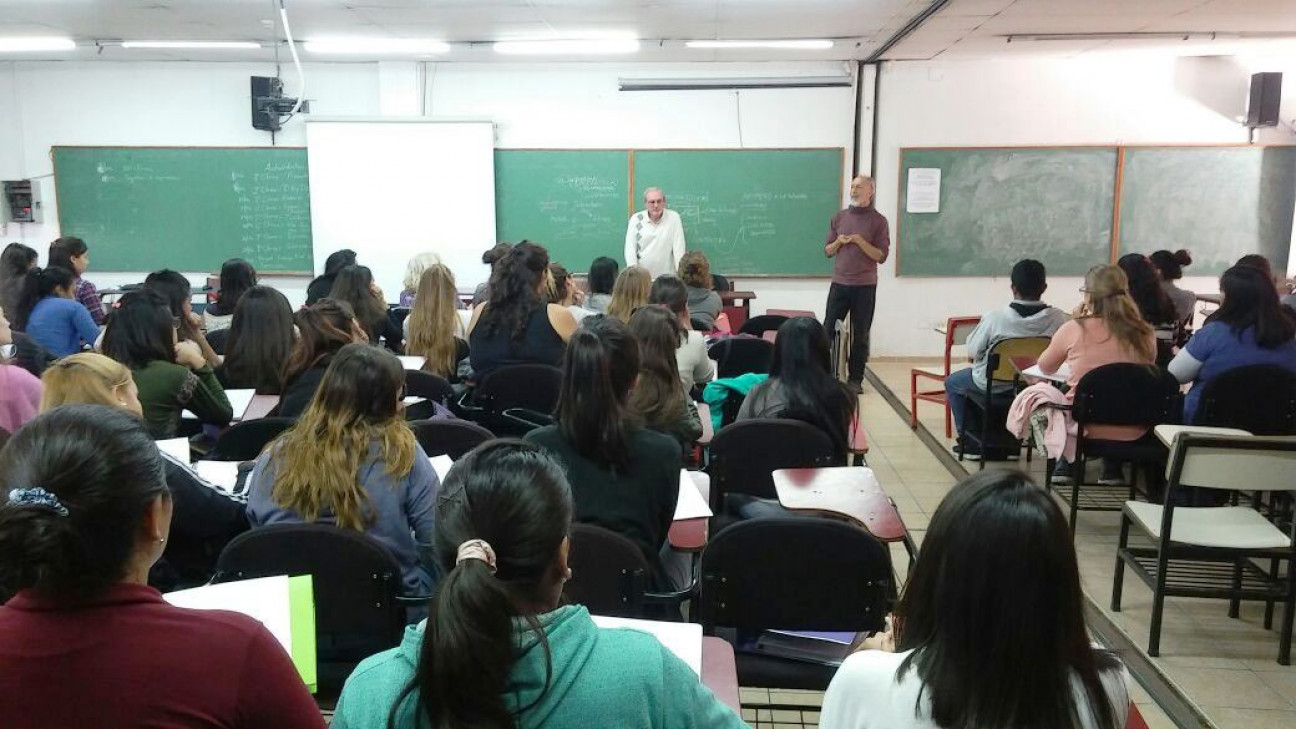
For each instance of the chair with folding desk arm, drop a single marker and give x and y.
(993, 407)
(957, 331)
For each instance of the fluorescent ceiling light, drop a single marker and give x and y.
(36, 44)
(1135, 35)
(195, 45)
(591, 46)
(790, 45)
(377, 46)
(733, 82)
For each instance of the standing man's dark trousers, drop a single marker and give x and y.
(859, 302)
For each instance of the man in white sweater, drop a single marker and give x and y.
(655, 236)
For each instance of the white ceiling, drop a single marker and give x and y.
(963, 28)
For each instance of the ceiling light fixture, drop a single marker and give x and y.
(30, 45)
(582, 47)
(807, 44)
(1115, 36)
(376, 46)
(193, 45)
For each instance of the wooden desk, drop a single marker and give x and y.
(720, 671)
(1062, 375)
(849, 491)
(1167, 433)
(688, 535)
(737, 304)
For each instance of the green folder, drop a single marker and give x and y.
(301, 604)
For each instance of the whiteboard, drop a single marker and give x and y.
(392, 189)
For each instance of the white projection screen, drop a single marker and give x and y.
(392, 189)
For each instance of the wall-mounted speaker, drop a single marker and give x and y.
(1266, 94)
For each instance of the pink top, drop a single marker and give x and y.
(20, 396)
(1085, 344)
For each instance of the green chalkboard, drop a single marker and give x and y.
(187, 208)
(998, 205)
(753, 212)
(1218, 202)
(575, 203)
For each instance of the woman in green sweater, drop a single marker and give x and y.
(172, 376)
(497, 652)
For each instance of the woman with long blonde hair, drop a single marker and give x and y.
(434, 330)
(352, 461)
(630, 292)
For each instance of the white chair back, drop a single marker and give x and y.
(1233, 463)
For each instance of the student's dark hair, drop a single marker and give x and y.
(593, 413)
(1251, 300)
(1255, 260)
(1171, 265)
(669, 291)
(140, 330)
(353, 285)
(602, 275)
(324, 328)
(236, 277)
(260, 340)
(656, 397)
(173, 286)
(1154, 304)
(1029, 279)
(803, 367)
(513, 290)
(339, 260)
(695, 270)
(103, 468)
(994, 614)
(62, 250)
(495, 253)
(16, 260)
(37, 284)
(511, 495)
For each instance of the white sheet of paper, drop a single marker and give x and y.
(923, 195)
(412, 363)
(441, 464)
(411, 400)
(264, 598)
(690, 504)
(221, 474)
(1062, 375)
(682, 639)
(177, 448)
(238, 400)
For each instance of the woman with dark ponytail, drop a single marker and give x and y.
(1169, 267)
(50, 314)
(516, 325)
(497, 651)
(624, 476)
(84, 513)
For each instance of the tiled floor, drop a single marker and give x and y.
(1227, 668)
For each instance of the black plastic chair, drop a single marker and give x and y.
(449, 437)
(740, 355)
(794, 573)
(721, 283)
(529, 388)
(610, 576)
(429, 386)
(989, 408)
(1121, 394)
(758, 325)
(244, 441)
(1260, 399)
(745, 455)
(218, 340)
(356, 583)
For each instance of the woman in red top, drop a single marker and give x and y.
(84, 513)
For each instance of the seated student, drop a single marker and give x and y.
(1170, 268)
(73, 254)
(1107, 329)
(413, 274)
(601, 280)
(175, 288)
(84, 513)
(48, 313)
(564, 292)
(481, 294)
(801, 385)
(322, 285)
(691, 358)
(324, 328)
(704, 303)
(352, 461)
(237, 276)
(658, 398)
(629, 293)
(356, 286)
(203, 520)
(960, 652)
(1154, 304)
(516, 326)
(624, 477)
(434, 329)
(1249, 328)
(171, 375)
(20, 390)
(260, 339)
(16, 260)
(500, 649)
(1026, 316)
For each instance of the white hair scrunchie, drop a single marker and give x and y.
(477, 549)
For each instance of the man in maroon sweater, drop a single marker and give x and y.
(859, 238)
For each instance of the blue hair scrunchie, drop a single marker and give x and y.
(37, 497)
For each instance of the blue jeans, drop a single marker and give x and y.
(957, 386)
